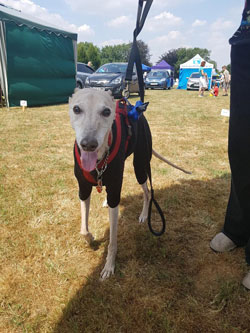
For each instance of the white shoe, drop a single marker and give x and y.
(221, 243)
(246, 281)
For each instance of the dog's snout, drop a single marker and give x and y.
(89, 144)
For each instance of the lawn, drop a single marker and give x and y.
(49, 279)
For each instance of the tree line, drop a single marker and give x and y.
(117, 53)
(120, 53)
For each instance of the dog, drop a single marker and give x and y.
(104, 139)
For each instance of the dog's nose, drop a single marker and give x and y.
(89, 145)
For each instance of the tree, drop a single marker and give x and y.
(93, 54)
(229, 68)
(81, 53)
(115, 53)
(121, 52)
(144, 52)
(214, 63)
(88, 52)
(171, 57)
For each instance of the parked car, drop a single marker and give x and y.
(111, 77)
(193, 81)
(216, 79)
(83, 71)
(158, 79)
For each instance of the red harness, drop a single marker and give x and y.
(121, 108)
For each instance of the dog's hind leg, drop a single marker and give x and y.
(85, 218)
(105, 203)
(109, 267)
(146, 199)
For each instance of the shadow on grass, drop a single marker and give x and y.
(157, 286)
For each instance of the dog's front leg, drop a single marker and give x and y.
(109, 267)
(146, 197)
(85, 218)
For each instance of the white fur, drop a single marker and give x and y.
(91, 122)
(146, 197)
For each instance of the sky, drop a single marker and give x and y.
(170, 23)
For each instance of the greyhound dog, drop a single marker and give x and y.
(104, 138)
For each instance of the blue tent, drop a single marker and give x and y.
(191, 66)
(145, 68)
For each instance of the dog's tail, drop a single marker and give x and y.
(168, 162)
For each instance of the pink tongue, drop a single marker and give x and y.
(88, 160)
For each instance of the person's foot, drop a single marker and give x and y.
(246, 281)
(222, 243)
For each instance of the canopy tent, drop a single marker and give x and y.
(37, 60)
(145, 68)
(162, 65)
(191, 66)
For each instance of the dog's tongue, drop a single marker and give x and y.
(88, 160)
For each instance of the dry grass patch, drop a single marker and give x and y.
(50, 278)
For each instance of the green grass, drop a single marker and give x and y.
(49, 278)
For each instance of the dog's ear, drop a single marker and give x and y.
(69, 99)
(110, 94)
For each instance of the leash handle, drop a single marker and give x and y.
(134, 57)
(161, 232)
(153, 201)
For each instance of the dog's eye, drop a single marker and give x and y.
(106, 112)
(76, 109)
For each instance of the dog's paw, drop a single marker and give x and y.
(105, 203)
(143, 217)
(89, 238)
(107, 271)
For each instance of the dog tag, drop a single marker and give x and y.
(99, 186)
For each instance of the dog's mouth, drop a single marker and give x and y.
(88, 160)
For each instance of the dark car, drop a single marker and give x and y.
(83, 71)
(111, 77)
(158, 80)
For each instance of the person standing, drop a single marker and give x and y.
(236, 229)
(226, 80)
(203, 79)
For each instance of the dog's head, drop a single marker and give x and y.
(92, 113)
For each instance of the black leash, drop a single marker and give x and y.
(135, 58)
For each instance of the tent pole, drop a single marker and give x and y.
(3, 64)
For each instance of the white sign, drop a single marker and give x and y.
(225, 113)
(23, 103)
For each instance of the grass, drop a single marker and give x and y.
(49, 278)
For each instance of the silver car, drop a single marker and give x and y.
(193, 81)
(83, 71)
